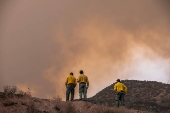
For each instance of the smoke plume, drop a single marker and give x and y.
(42, 42)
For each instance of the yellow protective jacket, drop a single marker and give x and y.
(118, 87)
(70, 80)
(83, 78)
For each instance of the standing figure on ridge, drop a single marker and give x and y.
(83, 85)
(121, 90)
(70, 85)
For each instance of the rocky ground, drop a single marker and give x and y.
(26, 104)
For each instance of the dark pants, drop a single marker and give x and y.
(70, 89)
(83, 90)
(120, 99)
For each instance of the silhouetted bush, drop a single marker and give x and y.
(10, 90)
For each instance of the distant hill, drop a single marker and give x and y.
(142, 95)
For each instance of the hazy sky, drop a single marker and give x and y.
(41, 42)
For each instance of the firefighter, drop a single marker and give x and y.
(70, 85)
(83, 85)
(121, 90)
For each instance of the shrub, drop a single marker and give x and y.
(24, 94)
(32, 108)
(63, 107)
(10, 90)
(8, 102)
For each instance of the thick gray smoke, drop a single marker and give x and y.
(42, 42)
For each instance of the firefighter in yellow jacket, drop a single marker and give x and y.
(70, 85)
(83, 85)
(121, 90)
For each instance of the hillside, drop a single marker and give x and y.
(26, 104)
(14, 101)
(142, 95)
